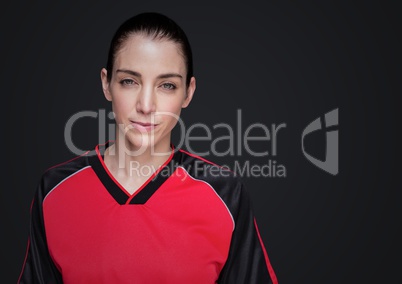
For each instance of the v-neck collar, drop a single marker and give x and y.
(147, 189)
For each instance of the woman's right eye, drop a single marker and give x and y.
(127, 82)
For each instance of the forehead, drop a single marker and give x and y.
(144, 53)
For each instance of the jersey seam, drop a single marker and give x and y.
(65, 179)
(213, 189)
(68, 161)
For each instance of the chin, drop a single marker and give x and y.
(136, 144)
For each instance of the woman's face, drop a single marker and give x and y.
(147, 90)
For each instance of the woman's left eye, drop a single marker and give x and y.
(168, 86)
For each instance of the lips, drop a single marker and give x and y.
(143, 125)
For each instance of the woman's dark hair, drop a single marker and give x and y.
(157, 26)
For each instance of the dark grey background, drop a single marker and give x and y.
(280, 62)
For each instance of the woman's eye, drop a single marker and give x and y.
(127, 82)
(168, 86)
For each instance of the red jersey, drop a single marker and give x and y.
(190, 222)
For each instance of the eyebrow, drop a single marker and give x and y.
(161, 76)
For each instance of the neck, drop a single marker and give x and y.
(128, 160)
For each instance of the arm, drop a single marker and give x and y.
(38, 266)
(247, 261)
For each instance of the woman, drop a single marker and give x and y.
(139, 210)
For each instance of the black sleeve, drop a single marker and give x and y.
(38, 266)
(247, 262)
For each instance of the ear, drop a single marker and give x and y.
(105, 85)
(190, 93)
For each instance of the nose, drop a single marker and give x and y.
(146, 100)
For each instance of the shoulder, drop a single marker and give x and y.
(69, 166)
(200, 167)
(60, 172)
(224, 180)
